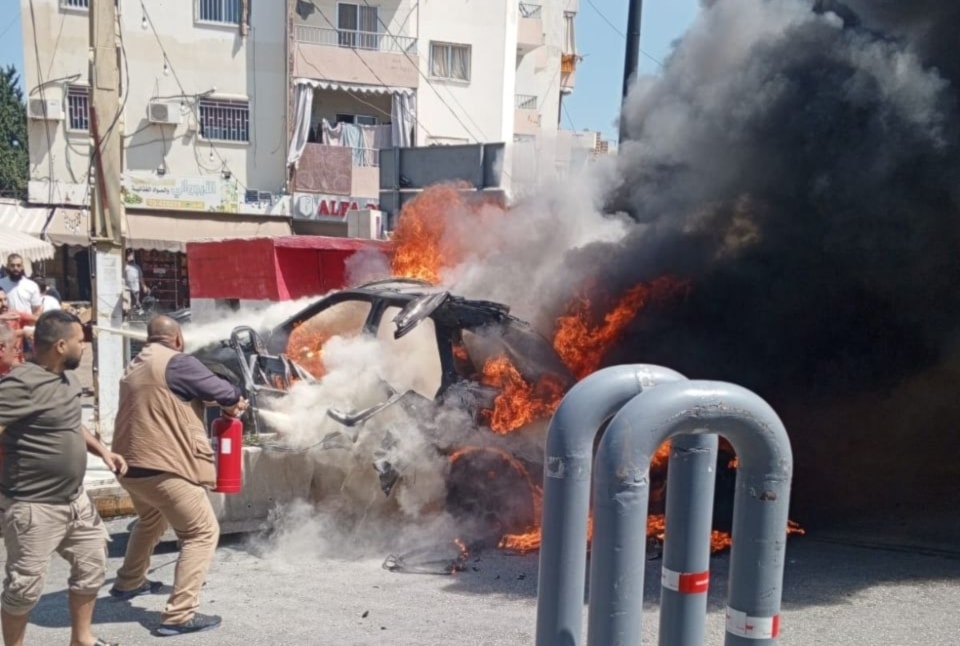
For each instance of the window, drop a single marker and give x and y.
(222, 11)
(223, 120)
(359, 119)
(78, 108)
(449, 61)
(75, 4)
(358, 26)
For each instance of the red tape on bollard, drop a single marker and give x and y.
(685, 582)
(743, 625)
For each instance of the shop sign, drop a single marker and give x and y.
(210, 193)
(328, 208)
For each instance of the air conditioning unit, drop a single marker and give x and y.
(163, 113)
(45, 109)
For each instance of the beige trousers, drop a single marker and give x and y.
(33, 531)
(169, 499)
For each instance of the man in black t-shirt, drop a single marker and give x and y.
(43, 508)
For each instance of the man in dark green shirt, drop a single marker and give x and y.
(43, 508)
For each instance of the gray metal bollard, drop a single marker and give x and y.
(760, 508)
(566, 493)
(685, 573)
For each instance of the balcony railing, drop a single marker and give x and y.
(525, 102)
(530, 10)
(366, 157)
(353, 39)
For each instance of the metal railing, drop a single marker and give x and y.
(366, 157)
(530, 10)
(362, 157)
(354, 39)
(75, 4)
(525, 102)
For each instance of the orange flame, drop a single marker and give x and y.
(519, 402)
(582, 343)
(423, 246)
(305, 347)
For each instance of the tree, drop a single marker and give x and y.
(14, 156)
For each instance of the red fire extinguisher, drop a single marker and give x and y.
(227, 440)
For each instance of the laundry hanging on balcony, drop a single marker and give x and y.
(366, 141)
(402, 111)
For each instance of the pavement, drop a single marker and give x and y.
(878, 581)
(303, 588)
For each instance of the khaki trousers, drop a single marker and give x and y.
(169, 499)
(33, 531)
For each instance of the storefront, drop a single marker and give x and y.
(64, 232)
(158, 238)
(160, 242)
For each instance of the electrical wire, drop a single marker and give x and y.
(319, 75)
(426, 78)
(619, 31)
(9, 25)
(196, 140)
(43, 99)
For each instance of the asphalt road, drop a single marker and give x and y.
(835, 595)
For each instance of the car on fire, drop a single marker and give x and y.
(445, 345)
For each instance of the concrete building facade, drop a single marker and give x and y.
(243, 119)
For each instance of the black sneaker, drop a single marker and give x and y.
(149, 587)
(196, 624)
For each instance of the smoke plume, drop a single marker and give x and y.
(799, 162)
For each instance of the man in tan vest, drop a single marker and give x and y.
(159, 430)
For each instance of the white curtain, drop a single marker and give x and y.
(301, 124)
(403, 115)
(460, 62)
(439, 61)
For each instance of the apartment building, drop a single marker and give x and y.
(421, 73)
(242, 120)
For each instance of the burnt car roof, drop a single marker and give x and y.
(456, 311)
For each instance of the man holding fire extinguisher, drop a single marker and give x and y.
(159, 430)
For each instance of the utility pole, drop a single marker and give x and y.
(108, 221)
(631, 58)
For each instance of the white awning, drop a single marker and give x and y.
(30, 248)
(172, 233)
(354, 87)
(67, 226)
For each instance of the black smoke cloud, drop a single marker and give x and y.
(799, 162)
(803, 170)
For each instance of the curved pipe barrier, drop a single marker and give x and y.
(621, 503)
(566, 493)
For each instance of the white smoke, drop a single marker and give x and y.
(218, 326)
(518, 257)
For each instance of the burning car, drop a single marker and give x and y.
(448, 363)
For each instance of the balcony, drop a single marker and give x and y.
(355, 57)
(568, 72)
(526, 118)
(530, 28)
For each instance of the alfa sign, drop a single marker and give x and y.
(328, 208)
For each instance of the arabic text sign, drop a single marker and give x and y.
(211, 193)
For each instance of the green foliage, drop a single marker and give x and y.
(14, 155)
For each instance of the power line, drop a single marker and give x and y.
(9, 25)
(429, 81)
(566, 112)
(365, 64)
(355, 96)
(43, 100)
(176, 77)
(618, 31)
(416, 66)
